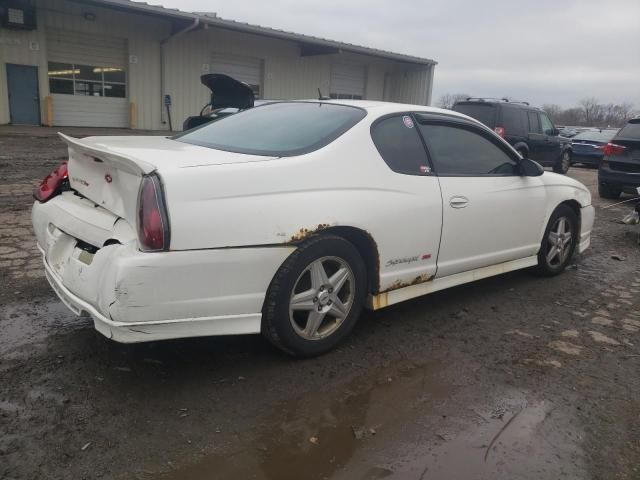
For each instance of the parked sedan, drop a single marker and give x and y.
(588, 146)
(289, 218)
(620, 167)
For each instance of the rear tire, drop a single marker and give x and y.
(316, 297)
(563, 164)
(608, 192)
(559, 241)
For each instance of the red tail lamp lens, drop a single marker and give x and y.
(153, 223)
(51, 185)
(612, 149)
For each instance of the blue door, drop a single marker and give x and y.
(24, 100)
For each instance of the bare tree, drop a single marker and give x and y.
(555, 112)
(590, 109)
(449, 99)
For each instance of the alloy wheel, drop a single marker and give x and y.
(322, 298)
(559, 242)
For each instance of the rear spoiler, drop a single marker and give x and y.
(119, 161)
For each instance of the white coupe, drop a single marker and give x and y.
(287, 219)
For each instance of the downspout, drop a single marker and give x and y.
(194, 25)
(430, 76)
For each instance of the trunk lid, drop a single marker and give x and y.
(227, 92)
(109, 170)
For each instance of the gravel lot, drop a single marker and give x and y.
(511, 377)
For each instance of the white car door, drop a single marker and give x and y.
(408, 244)
(491, 213)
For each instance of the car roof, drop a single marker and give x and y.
(382, 108)
(502, 103)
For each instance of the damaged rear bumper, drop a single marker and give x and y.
(138, 303)
(136, 296)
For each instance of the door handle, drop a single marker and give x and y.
(458, 202)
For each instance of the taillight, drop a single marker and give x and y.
(500, 131)
(153, 223)
(611, 149)
(51, 185)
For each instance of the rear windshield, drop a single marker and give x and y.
(484, 113)
(277, 129)
(631, 131)
(603, 136)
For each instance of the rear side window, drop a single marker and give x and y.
(513, 120)
(534, 122)
(399, 144)
(485, 113)
(277, 129)
(631, 131)
(459, 151)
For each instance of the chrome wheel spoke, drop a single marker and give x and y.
(314, 321)
(304, 300)
(566, 240)
(561, 226)
(553, 237)
(338, 280)
(553, 252)
(318, 275)
(338, 309)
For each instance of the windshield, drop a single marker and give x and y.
(603, 136)
(277, 129)
(484, 113)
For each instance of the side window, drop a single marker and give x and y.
(461, 151)
(512, 120)
(546, 123)
(534, 122)
(399, 144)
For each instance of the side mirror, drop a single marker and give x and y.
(530, 168)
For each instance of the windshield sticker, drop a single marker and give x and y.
(425, 169)
(407, 121)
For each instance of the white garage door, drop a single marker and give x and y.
(87, 79)
(245, 69)
(348, 81)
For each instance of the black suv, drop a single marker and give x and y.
(620, 166)
(528, 129)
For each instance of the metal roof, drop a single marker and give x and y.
(215, 21)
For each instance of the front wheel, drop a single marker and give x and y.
(607, 192)
(559, 241)
(315, 297)
(562, 166)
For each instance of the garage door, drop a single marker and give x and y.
(348, 81)
(87, 79)
(245, 69)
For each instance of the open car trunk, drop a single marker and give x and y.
(226, 93)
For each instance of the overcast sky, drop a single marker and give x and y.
(543, 51)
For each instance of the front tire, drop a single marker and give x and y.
(559, 241)
(316, 297)
(608, 193)
(562, 166)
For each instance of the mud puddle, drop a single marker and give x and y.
(412, 423)
(316, 435)
(24, 324)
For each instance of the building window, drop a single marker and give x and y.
(87, 80)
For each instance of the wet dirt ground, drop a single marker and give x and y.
(511, 377)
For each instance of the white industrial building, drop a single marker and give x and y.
(110, 63)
